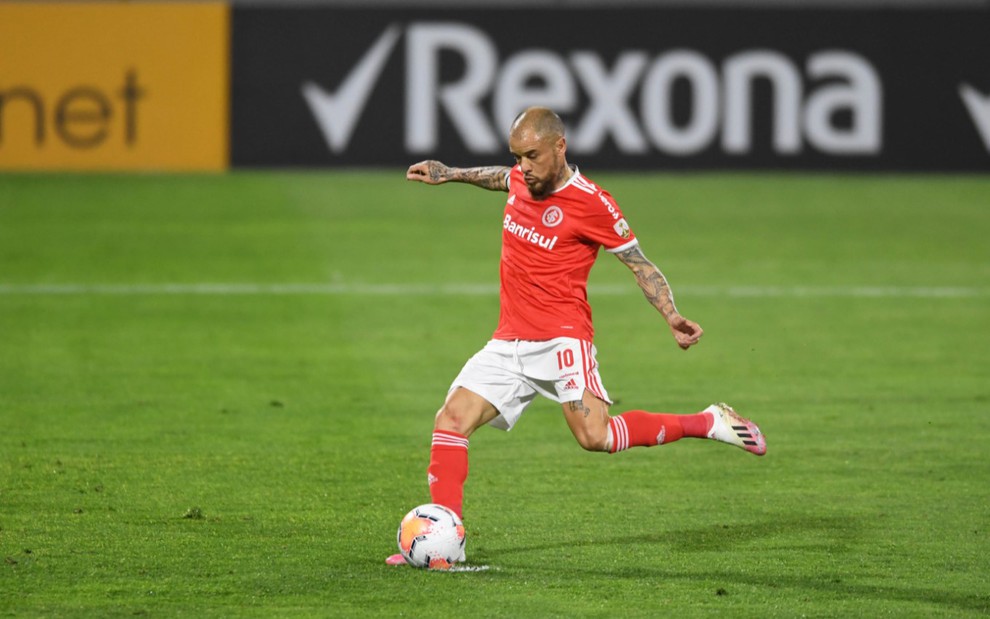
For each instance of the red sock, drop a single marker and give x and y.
(643, 429)
(448, 469)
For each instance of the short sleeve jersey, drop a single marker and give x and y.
(548, 249)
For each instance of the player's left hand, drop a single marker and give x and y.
(686, 332)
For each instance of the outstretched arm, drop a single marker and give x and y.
(657, 291)
(436, 173)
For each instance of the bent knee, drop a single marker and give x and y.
(593, 440)
(454, 418)
(447, 419)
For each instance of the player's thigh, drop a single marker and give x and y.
(588, 420)
(464, 411)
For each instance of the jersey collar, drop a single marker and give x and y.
(574, 175)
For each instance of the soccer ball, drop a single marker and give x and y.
(431, 536)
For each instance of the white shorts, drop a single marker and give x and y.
(510, 374)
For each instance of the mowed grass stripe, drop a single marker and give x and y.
(469, 289)
(234, 425)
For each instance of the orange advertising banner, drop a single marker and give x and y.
(114, 86)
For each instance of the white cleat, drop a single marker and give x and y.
(734, 429)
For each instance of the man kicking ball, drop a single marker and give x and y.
(554, 223)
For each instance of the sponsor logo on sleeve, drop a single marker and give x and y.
(622, 229)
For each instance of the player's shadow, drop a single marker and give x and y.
(838, 532)
(827, 536)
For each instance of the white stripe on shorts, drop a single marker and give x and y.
(590, 375)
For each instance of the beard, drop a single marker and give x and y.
(538, 188)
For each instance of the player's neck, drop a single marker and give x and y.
(563, 176)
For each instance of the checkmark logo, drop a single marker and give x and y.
(978, 106)
(337, 113)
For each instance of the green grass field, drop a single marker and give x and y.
(217, 394)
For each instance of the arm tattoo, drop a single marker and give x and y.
(578, 406)
(438, 172)
(488, 177)
(651, 281)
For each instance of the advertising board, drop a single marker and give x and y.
(114, 86)
(637, 88)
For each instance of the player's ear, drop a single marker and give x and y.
(561, 145)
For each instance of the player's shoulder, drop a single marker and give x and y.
(578, 188)
(583, 190)
(580, 182)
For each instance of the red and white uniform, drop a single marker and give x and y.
(542, 345)
(548, 249)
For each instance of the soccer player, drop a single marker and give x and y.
(555, 221)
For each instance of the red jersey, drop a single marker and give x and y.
(548, 249)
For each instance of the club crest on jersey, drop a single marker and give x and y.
(622, 228)
(553, 216)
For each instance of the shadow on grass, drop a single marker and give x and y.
(832, 533)
(820, 535)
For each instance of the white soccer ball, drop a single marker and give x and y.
(431, 536)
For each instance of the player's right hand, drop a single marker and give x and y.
(429, 172)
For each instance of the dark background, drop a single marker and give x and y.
(921, 55)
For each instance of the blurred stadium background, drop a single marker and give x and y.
(826, 85)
